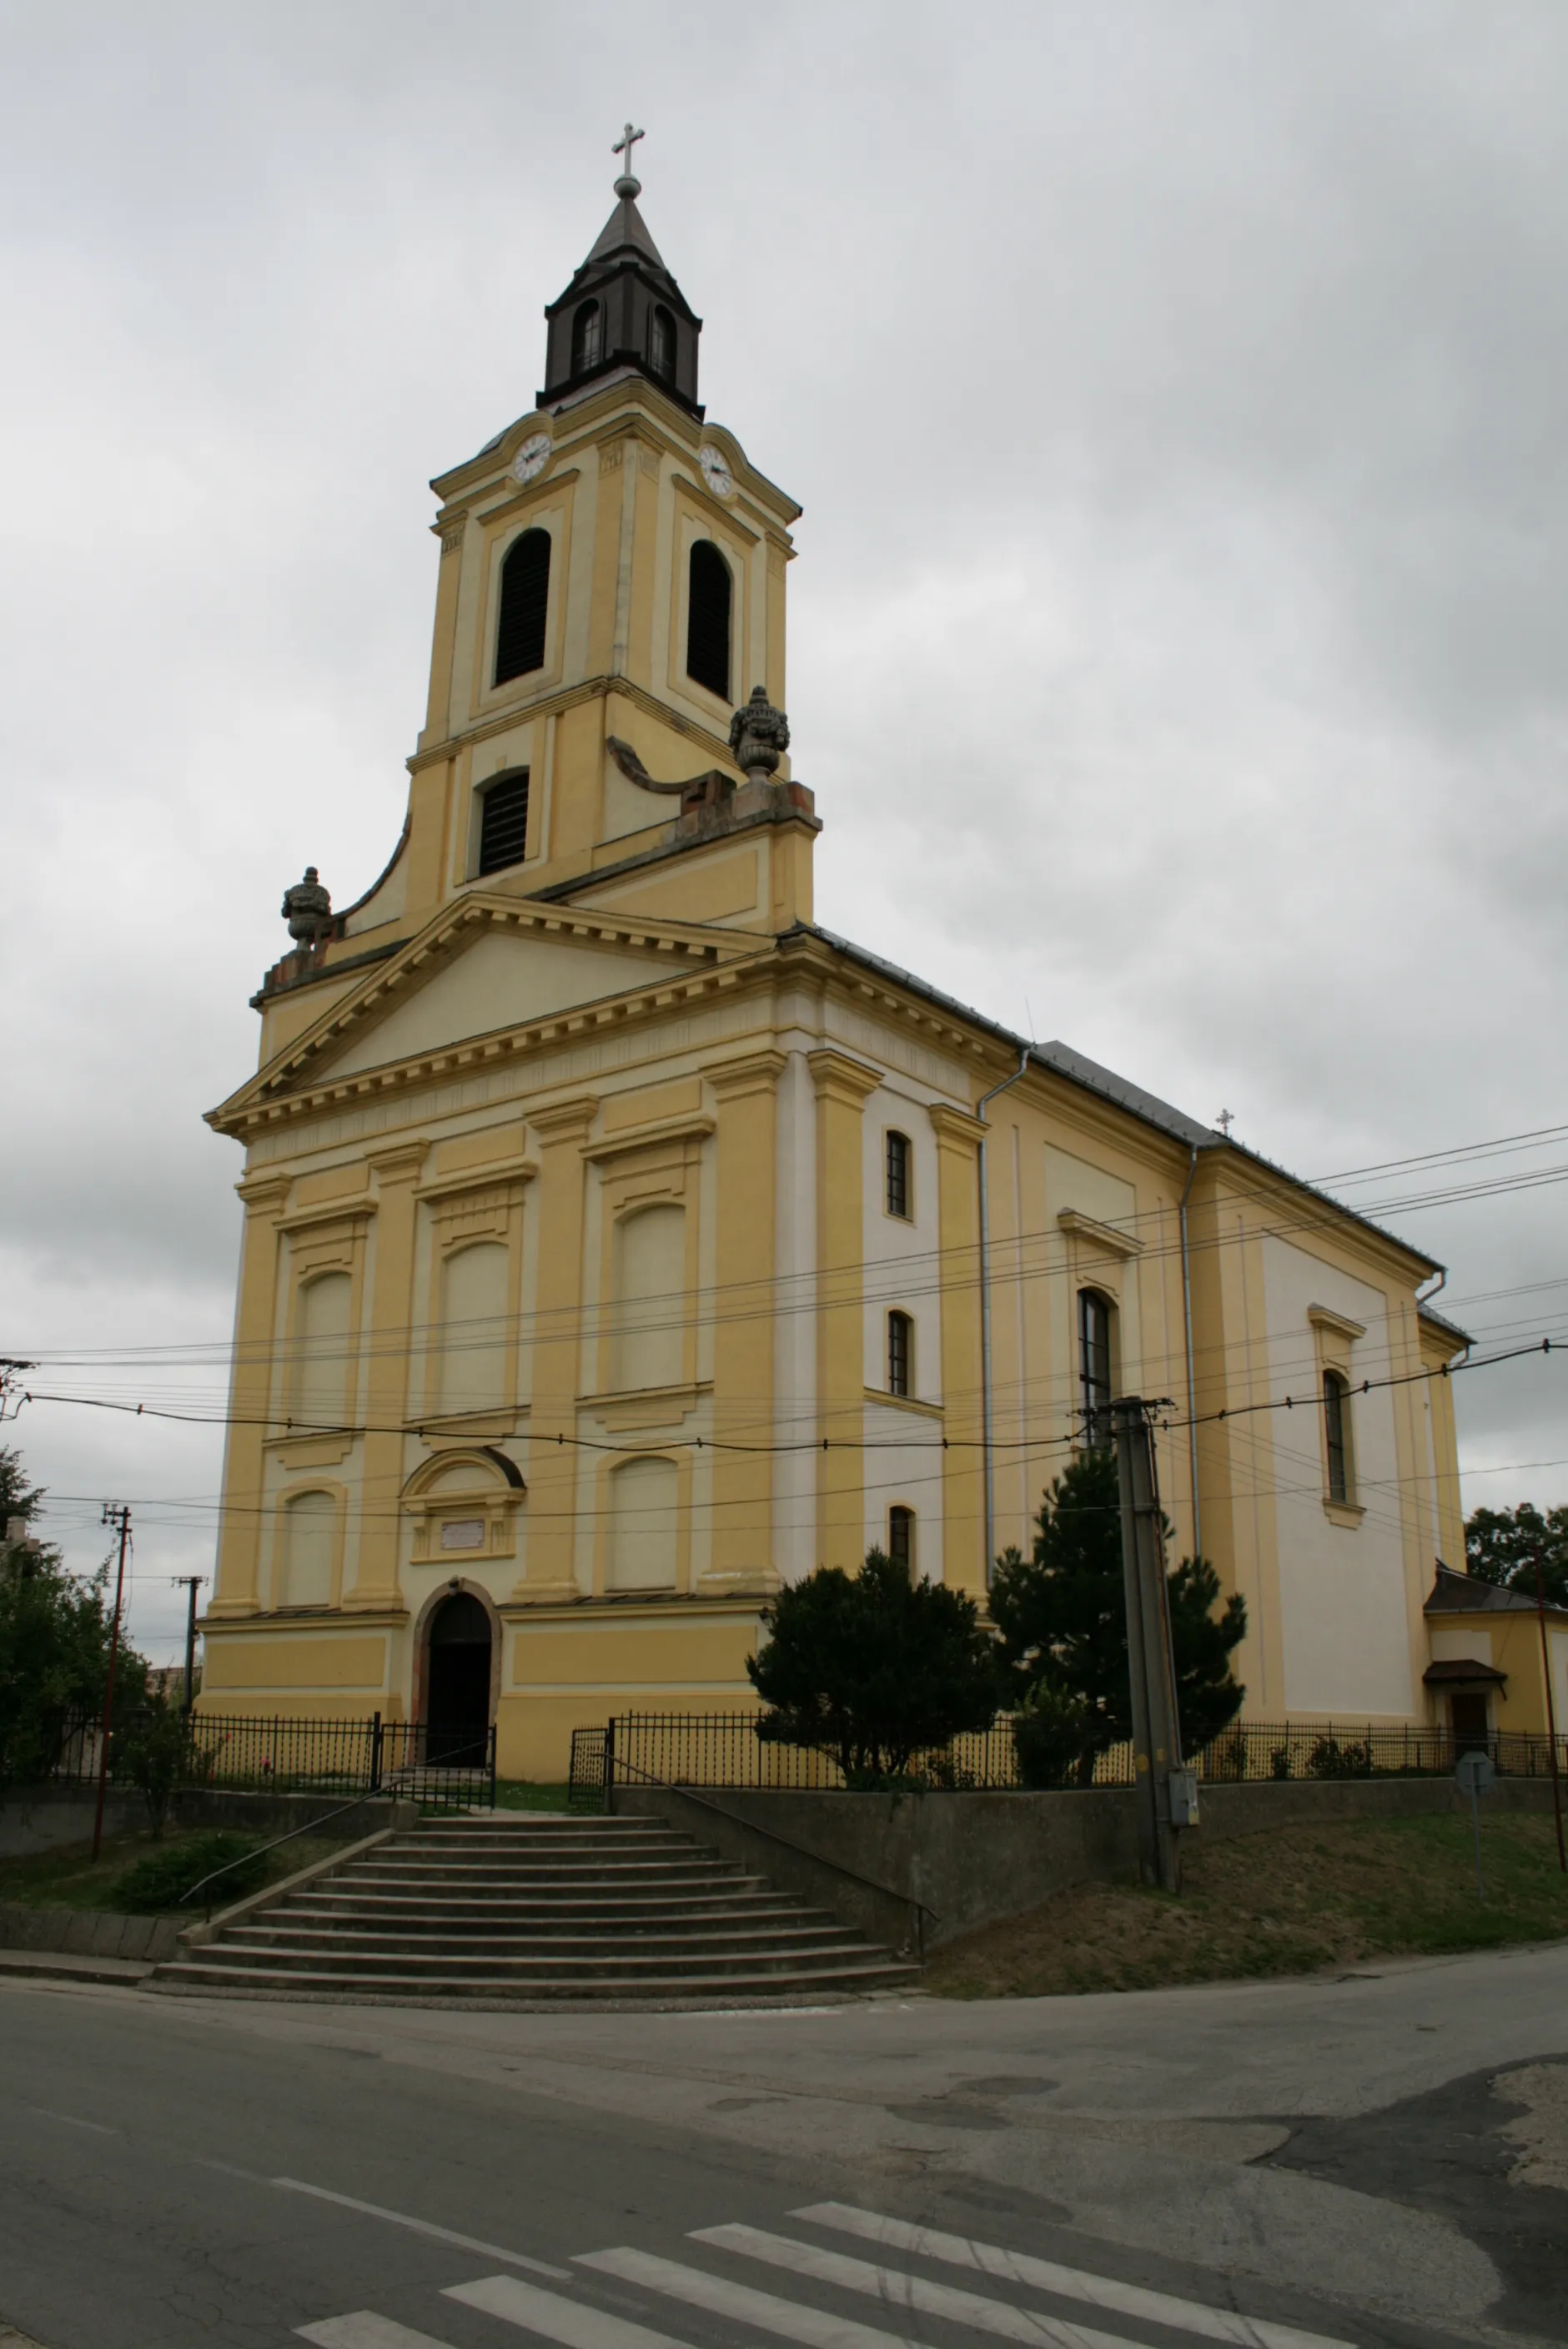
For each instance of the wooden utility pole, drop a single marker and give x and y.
(116, 1514)
(1156, 1729)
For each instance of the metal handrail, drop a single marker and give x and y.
(790, 1843)
(371, 1794)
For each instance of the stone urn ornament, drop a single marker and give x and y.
(758, 737)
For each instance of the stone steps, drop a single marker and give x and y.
(530, 1909)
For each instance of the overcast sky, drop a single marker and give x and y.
(1176, 398)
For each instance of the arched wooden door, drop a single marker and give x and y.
(458, 1683)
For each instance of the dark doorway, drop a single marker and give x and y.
(1468, 1714)
(458, 1683)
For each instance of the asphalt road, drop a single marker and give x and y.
(1339, 2159)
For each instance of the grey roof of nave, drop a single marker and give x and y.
(1467, 1594)
(1080, 1070)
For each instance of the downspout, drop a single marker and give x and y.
(1187, 1318)
(980, 1108)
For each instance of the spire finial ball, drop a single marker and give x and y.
(628, 185)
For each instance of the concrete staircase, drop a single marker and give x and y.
(499, 1908)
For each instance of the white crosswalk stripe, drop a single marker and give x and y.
(570, 2322)
(791, 2319)
(744, 2308)
(1069, 2284)
(367, 2331)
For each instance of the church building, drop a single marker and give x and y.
(620, 1244)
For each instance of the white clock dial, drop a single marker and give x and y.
(715, 472)
(531, 458)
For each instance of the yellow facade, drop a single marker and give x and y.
(569, 1248)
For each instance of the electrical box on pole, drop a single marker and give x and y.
(1166, 1792)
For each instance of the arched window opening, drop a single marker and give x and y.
(474, 1335)
(649, 1324)
(320, 1380)
(1094, 1368)
(900, 1536)
(587, 337)
(899, 1353)
(310, 1521)
(644, 1498)
(1337, 1435)
(457, 1682)
(662, 342)
(503, 823)
(708, 619)
(524, 606)
(898, 1175)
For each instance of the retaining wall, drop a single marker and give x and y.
(48, 1818)
(89, 1933)
(970, 1860)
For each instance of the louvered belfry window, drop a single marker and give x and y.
(708, 619)
(503, 823)
(524, 606)
(662, 342)
(587, 337)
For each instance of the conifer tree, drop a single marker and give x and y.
(1062, 1615)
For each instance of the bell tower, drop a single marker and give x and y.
(605, 712)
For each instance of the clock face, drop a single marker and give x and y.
(715, 472)
(531, 458)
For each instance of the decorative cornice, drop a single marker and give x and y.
(834, 1073)
(693, 1128)
(564, 1121)
(757, 1072)
(955, 1126)
(1104, 1237)
(496, 1174)
(551, 705)
(1337, 1325)
(357, 1209)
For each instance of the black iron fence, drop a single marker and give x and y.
(441, 1768)
(723, 1749)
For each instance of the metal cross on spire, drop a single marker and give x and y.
(628, 184)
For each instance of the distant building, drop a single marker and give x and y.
(612, 1240)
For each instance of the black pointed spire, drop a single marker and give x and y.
(622, 308)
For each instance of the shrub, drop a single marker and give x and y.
(155, 1751)
(162, 1879)
(1329, 1759)
(1279, 1761)
(1050, 1732)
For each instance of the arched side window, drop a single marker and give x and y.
(310, 1522)
(900, 1536)
(503, 823)
(649, 1324)
(900, 1354)
(474, 1328)
(524, 606)
(587, 337)
(1094, 1368)
(898, 1175)
(662, 342)
(709, 596)
(644, 1498)
(1337, 1438)
(319, 1384)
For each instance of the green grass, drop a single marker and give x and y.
(522, 1795)
(68, 1878)
(1290, 1902)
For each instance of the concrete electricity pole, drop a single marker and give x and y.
(116, 1514)
(1166, 1792)
(192, 1582)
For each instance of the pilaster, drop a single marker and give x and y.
(384, 1383)
(744, 1308)
(557, 1325)
(963, 1563)
(249, 1398)
(842, 1087)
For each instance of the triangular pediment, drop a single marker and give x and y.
(486, 968)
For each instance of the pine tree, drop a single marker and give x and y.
(1062, 1615)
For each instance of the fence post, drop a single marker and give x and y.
(609, 1761)
(492, 1732)
(376, 1753)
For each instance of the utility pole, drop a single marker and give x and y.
(192, 1582)
(1551, 1707)
(116, 1514)
(1162, 1807)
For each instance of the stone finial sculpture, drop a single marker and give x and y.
(758, 737)
(307, 910)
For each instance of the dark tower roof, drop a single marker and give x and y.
(623, 309)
